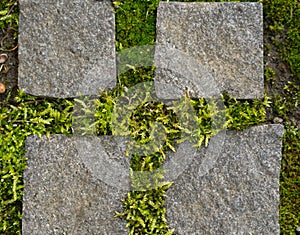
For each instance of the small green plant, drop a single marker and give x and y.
(269, 74)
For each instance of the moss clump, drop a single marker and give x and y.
(9, 15)
(289, 181)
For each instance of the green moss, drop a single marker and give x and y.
(269, 74)
(290, 181)
(135, 23)
(284, 17)
(9, 15)
(145, 212)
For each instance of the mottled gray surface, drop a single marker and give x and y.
(63, 192)
(209, 48)
(239, 195)
(66, 47)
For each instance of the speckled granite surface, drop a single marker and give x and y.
(67, 47)
(64, 192)
(209, 48)
(240, 193)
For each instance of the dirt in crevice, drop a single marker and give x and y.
(9, 71)
(274, 59)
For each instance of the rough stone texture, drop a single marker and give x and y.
(64, 194)
(239, 195)
(209, 48)
(66, 47)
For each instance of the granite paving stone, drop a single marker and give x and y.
(208, 48)
(65, 194)
(239, 195)
(66, 47)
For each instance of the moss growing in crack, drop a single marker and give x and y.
(146, 217)
(289, 181)
(146, 212)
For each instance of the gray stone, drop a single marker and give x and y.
(65, 194)
(239, 195)
(66, 47)
(209, 48)
(277, 120)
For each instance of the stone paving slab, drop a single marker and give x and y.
(66, 47)
(63, 193)
(239, 195)
(209, 48)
